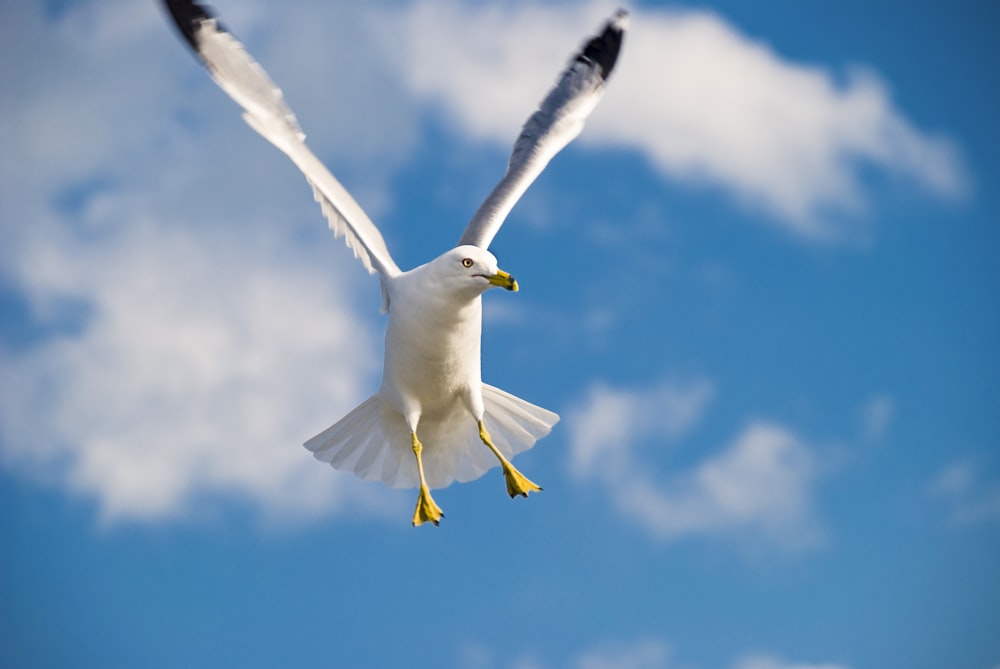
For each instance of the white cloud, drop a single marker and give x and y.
(769, 662)
(760, 484)
(611, 417)
(643, 654)
(703, 101)
(497, 61)
(876, 415)
(193, 337)
(650, 653)
(125, 180)
(954, 480)
(110, 86)
(971, 500)
(201, 368)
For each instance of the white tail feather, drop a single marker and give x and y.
(374, 443)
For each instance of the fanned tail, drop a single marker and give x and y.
(514, 424)
(369, 443)
(374, 443)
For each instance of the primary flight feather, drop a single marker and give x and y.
(433, 420)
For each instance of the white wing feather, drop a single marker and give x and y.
(558, 120)
(265, 110)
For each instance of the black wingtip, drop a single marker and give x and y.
(187, 17)
(603, 49)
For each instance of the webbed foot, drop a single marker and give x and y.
(427, 509)
(518, 483)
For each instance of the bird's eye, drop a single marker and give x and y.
(467, 262)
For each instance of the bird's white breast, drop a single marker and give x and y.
(432, 346)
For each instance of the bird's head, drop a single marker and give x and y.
(473, 269)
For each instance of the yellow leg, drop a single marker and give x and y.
(517, 483)
(426, 507)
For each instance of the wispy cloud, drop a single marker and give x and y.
(642, 654)
(703, 101)
(760, 483)
(971, 500)
(876, 416)
(610, 418)
(648, 653)
(771, 662)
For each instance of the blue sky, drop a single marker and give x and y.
(760, 289)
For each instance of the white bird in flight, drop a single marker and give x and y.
(431, 392)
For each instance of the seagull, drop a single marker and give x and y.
(432, 391)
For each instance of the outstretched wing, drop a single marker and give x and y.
(246, 82)
(557, 121)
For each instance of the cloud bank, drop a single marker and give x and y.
(195, 370)
(187, 334)
(178, 322)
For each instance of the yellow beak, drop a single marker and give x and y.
(503, 280)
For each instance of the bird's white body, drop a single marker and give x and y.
(431, 392)
(431, 349)
(431, 385)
